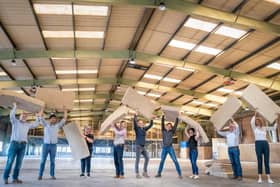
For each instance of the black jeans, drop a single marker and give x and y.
(86, 163)
(262, 149)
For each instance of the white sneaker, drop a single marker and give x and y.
(260, 181)
(191, 177)
(196, 177)
(270, 181)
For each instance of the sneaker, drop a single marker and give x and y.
(82, 175)
(191, 177)
(40, 178)
(196, 177)
(145, 174)
(17, 181)
(270, 181)
(138, 176)
(239, 178)
(117, 177)
(6, 181)
(53, 178)
(180, 177)
(158, 176)
(88, 174)
(260, 181)
(121, 177)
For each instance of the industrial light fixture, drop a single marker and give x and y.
(167, 79)
(230, 32)
(70, 34)
(67, 72)
(185, 69)
(76, 89)
(207, 50)
(13, 62)
(2, 73)
(132, 61)
(153, 95)
(200, 25)
(225, 90)
(162, 6)
(181, 44)
(150, 76)
(274, 65)
(66, 9)
(83, 100)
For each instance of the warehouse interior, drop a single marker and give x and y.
(188, 54)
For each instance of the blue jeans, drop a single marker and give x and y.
(86, 163)
(118, 159)
(262, 149)
(234, 156)
(193, 154)
(48, 149)
(16, 150)
(169, 150)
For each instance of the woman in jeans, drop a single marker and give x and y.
(119, 141)
(193, 152)
(86, 162)
(261, 144)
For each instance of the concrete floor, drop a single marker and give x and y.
(67, 173)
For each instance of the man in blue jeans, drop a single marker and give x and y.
(18, 141)
(167, 135)
(232, 137)
(50, 140)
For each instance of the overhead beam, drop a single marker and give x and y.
(145, 57)
(18, 83)
(195, 9)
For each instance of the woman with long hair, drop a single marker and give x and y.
(261, 145)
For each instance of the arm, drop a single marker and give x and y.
(197, 134)
(150, 125)
(175, 125)
(13, 118)
(90, 140)
(253, 120)
(61, 123)
(162, 123)
(186, 133)
(121, 132)
(43, 121)
(222, 133)
(135, 122)
(35, 124)
(65, 115)
(237, 130)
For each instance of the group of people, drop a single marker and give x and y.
(20, 128)
(168, 131)
(19, 137)
(260, 129)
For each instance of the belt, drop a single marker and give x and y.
(20, 142)
(233, 147)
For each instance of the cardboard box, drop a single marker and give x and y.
(56, 99)
(139, 102)
(24, 102)
(254, 97)
(77, 143)
(225, 112)
(112, 118)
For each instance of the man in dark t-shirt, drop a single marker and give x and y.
(86, 162)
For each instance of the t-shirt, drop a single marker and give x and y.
(192, 143)
(89, 144)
